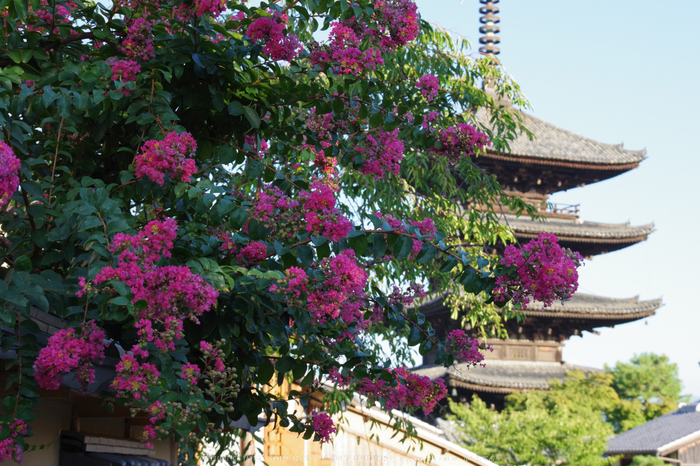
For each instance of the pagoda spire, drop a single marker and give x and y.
(489, 28)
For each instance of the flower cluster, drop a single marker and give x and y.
(134, 378)
(411, 391)
(170, 156)
(315, 212)
(428, 85)
(139, 41)
(54, 15)
(9, 168)
(67, 351)
(462, 140)
(382, 152)
(465, 349)
(544, 271)
(10, 448)
(278, 45)
(323, 425)
(172, 293)
(124, 71)
(212, 7)
(425, 227)
(339, 296)
(355, 47)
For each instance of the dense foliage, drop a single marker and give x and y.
(221, 199)
(572, 421)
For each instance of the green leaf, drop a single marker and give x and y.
(403, 247)
(235, 108)
(378, 245)
(265, 371)
(23, 264)
(358, 243)
(426, 254)
(252, 117)
(285, 364)
(306, 255)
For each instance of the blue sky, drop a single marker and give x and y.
(620, 71)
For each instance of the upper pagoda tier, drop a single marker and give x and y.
(556, 160)
(588, 238)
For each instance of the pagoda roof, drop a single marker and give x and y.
(579, 306)
(596, 307)
(499, 376)
(555, 144)
(588, 238)
(555, 160)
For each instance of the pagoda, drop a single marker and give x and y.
(556, 160)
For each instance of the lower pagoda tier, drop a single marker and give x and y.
(497, 379)
(587, 238)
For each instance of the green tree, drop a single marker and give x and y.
(197, 182)
(563, 425)
(647, 460)
(648, 387)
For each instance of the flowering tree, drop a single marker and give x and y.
(223, 199)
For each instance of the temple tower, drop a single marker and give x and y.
(556, 160)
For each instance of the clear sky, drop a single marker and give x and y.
(619, 71)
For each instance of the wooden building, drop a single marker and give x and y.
(673, 437)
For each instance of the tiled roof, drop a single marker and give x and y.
(595, 307)
(556, 144)
(572, 229)
(580, 305)
(499, 375)
(659, 435)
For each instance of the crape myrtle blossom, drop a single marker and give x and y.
(425, 227)
(314, 211)
(428, 85)
(171, 293)
(70, 351)
(11, 433)
(543, 271)
(354, 47)
(339, 297)
(460, 141)
(465, 349)
(9, 170)
(171, 156)
(323, 425)
(278, 45)
(412, 391)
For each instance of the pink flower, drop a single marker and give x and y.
(139, 41)
(465, 349)
(381, 152)
(254, 253)
(428, 85)
(67, 352)
(9, 169)
(459, 141)
(190, 373)
(544, 271)
(170, 156)
(323, 425)
(411, 391)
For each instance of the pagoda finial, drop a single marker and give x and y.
(489, 28)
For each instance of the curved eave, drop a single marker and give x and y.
(581, 306)
(557, 161)
(556, 146)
